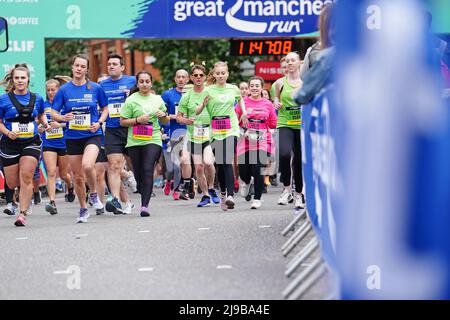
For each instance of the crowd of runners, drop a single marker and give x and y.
(208, 140)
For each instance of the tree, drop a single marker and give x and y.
(172, 55)
(58, 55)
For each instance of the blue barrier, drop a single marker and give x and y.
(319, 170)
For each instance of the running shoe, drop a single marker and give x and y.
(212, 193)
(191, 188)
(205, 202)
(184, 194)
(245, 189)
(145, 212)
(84, 215)
(223, 198)
(230, 202)
(129, 206)
(175, 195)
(70, 195)
(167, 187)
(59, 185)
(37, 197)
(256, 204)
(11, 209)
(285, 198)
(51, 208)
(95, 200)
(20, 221)
(114, 206)
(131, 182)
(299, 201)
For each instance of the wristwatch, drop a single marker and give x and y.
(100, 123)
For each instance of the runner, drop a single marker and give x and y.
(54, 148)
(176, 132)
(198, 137)
(77, 103)
(20, 144)
(256, 147)
(142, 113)
(117, 87)
(219, 101)
(289, 124)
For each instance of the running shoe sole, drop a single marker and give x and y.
(51, 209)
(20, 222)
(230, 204)
(111, 208)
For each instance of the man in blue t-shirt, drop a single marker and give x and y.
(117, 87)
(171, 98)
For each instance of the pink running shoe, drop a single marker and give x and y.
(20, 221)
(167, 187)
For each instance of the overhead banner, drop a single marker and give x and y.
(32, 21)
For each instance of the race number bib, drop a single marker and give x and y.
(55, 133)
(201, 132)
(23, 130)
(80, 122)
(221, 125)
(114, 110)
(256, 129)
(143, 132)
(293, 115)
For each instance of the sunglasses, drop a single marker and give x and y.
(201, 75)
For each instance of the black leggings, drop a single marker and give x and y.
(224, 153)
(290, 143)
(250, 165)
(144, 159)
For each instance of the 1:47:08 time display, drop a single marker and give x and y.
(261, 47)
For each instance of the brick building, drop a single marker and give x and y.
(135, 61)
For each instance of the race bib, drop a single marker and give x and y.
(256, 129)
(293, 115)
(55, 133)
(221, 125)
(23, 130)
(80, 122)
(114, 110)
(201, 132)
(143, 132)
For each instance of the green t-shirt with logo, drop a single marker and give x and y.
(289, 115)
(199, 132)
(224, 122)
(137, 105)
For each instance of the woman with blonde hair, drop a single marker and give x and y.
(20, 144)
(220, 98)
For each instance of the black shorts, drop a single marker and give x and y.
(59, 151)
(101, 156)
(75, 147)
(116, 140)
(12, 150)
(197, 148)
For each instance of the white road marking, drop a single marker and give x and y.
(224, 267)
(61, 272)
(144, 231)
(145, 269)
(203, 229)
(22, 238)
(264, 227)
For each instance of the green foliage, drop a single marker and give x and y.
(172, 55)
(59, 54)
